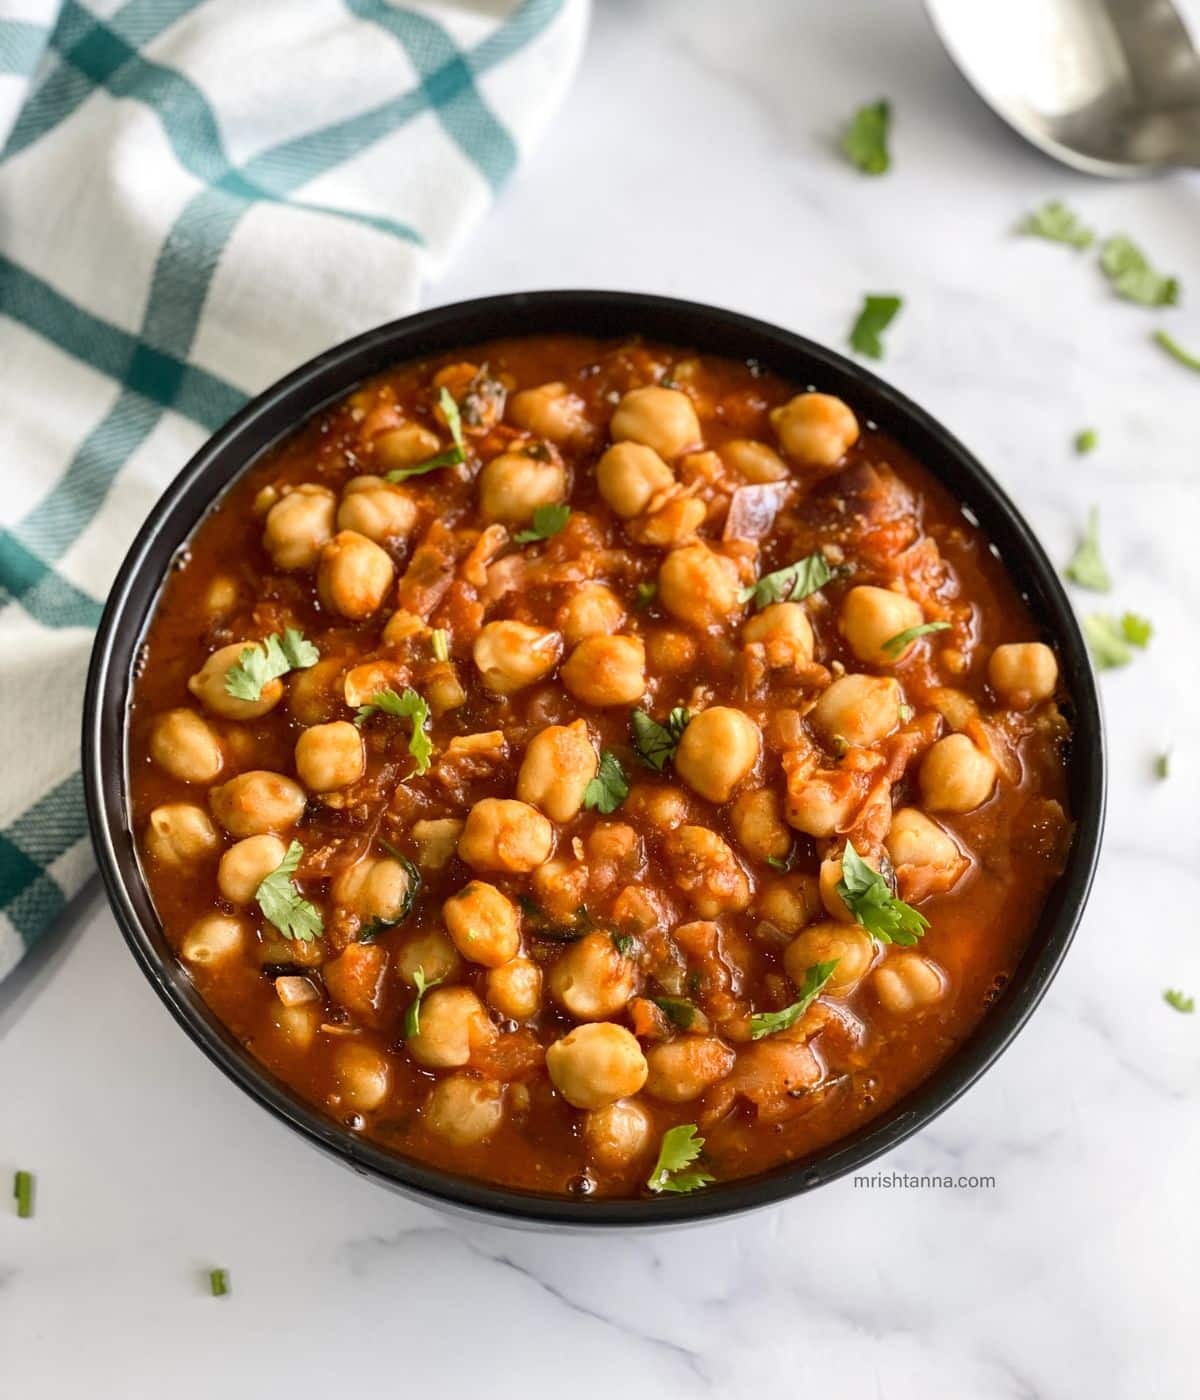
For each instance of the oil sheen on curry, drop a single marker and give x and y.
(596, 767)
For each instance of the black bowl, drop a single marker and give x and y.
(280, 409)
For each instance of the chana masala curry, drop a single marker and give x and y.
(596, 768)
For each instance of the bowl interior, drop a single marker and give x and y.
(280, 409)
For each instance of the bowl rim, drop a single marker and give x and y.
(279, 409)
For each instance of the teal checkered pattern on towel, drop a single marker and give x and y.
(199, 194)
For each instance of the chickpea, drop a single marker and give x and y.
(682, 1069)
(560, 887)
(515, 990)
(790, 903)
(246, 864)
(592, 610)
(672, 524)
(1023, 673)
(513, 485)
(363, 1076)
(501, 834)
(298, 526)
(907, 982)
(297, 1026)
(596, 1064)
(670, 650)
(617, 1134)
(815, 430)
(757, 821)
(375, 508)
(454, 1024)
(354, 575)
(629, 476)
(511, 655)
(437, 840)
(661, 807)
(330, 756)
(853, 947)
(464, 1109)
(698, 586)
(706, 871)
(559, 763)
(783, 631)
(214, 939)
(483, 923)
(720, 747)
(663, 419)
(208, 686)
(754, 461)
(221, 596)
(872, 616)
(859, 709)
(551, 411)
(915, 839)
(404, 446)
(315, 695)
(956, 776)
(591, 980)
(183, 744)
(430, 950)
(607, 670)
(258, 801)
(824, 803)
(179, 834)
(377, 889)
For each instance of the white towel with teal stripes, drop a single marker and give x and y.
(197, 195)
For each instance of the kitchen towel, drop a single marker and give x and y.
(195, 196)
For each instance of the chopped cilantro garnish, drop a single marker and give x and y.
(609, 788)
(876, 315)
(451, 456)
(884, 915)
(768, 1022)
(790, 584)
(1086, 440)
(1176, 351)
(1086, 567)
(1180, 1002)
(412, 1017)
(283, 905)
(1057, 223)
(407, 705)
(218, 1282)
(371, 931)
(895, 646)
(677, 1010)
(1136, 629)
(1132, 277)
(865, 143)
(1109, 638)
(783, 863)
(656, 743)
(23, 1194)
(644, 594)
(679, 1149)
(1162, 765)
(547, 521)
(624, 943)
(267, 661)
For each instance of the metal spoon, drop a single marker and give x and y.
(1111, 87)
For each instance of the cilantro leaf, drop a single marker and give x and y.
(283, 905)
(450, 457)
(679, 1149)
(783, 863)
(644, 594)
(408, 705)
(263, 662)
(884, 915)
(1109, 638)
(1176, 351)
(1132, 277)
(1057, 223)
(1180, 1002)
(769, 1022)
(1162, 765)
(609, 788)
(370, 932)
(790, 584)
(876, 315)
(678, 1010)
(624, 943)
(1086, 440)
(412, 1016)
(865, 143)
(547, 521)
(440, 644)
(1086, 567)
(895, 646)
(655, 743)
(1136, 629)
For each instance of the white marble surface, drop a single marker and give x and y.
(695, 158)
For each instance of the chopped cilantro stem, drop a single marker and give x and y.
(1182, 1003)
(23, 1194)
(865, 143)
(876, 315)
(1176, 351)
(218, 1282)
(1086, 440)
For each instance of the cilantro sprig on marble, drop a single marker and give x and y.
(1086, 566)
(865, 143)
(865, 893)
(878, 312)
(673, 1171)
(1054, 221)
(407, 705)
(789, 584)
(283, 905)
(1110, 638)
(451, 457)
(261, 663)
